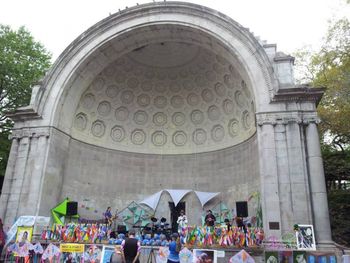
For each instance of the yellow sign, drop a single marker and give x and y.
(72, 248)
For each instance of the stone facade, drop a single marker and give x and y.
(170, 95)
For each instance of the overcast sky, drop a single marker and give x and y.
(290, 24)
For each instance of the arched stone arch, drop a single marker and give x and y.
(50, 152)
(113, 37)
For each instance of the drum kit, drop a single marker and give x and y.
(157, 227)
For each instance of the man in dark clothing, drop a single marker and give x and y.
(210, 218)
(131, 248)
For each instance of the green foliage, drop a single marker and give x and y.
(23, 61)
(330, 68)
(336, 167)
(339, 204)
(334, 74)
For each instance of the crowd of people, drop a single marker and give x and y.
(131, 246)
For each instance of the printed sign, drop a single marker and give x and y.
(72, 248)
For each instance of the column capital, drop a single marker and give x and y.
(311, 119)
(30, 133)
(285, 118)
(275, 118)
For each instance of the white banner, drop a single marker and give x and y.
(204, 197)
(153, 200)
(177, 195)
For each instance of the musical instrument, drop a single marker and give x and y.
(112, 218)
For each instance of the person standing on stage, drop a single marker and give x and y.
(181, 221)
(108, 216)
(210, 218)
(130, 248)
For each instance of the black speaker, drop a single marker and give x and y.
(242, 209)
(72, 208)
(121, 229)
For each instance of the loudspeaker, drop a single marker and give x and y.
(242, 209)
(72, 208)
(121, 229)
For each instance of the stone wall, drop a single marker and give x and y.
(114, 178)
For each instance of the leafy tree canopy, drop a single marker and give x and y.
(23, 61)
(330, 68)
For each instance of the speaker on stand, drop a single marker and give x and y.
(72, 209)
(242, 209)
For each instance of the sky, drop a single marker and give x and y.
(291, 24)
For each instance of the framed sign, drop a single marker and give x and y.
(107, 253)
(204, 256)
(24, 233)
(305, 237)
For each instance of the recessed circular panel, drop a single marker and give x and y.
(104, 108)
(140, 117)
(138, 137)
(159, 138)
(117, 133)
(179, 138)
(98, 128)
(199, 136)
(179, 118)
(160, 119)
(197, 117)
(80, 121)
(121, 114)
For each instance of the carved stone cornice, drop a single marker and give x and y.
(30, 133)
(299, 93)
(23, 114)
(285, 118)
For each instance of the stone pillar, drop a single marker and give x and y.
(285, 187)
(30, 197)
(38, 172)
(6, 188)
(17, 180)
(269, 179)
(22, 185)
(300, 195)
(317, 185)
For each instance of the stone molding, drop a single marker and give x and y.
(30, 133)
(285, 118)
(299, 93)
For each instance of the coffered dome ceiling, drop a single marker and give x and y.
(166, 98)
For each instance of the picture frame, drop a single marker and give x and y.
(24, 233)
(107, 252)
(204, 256)
(305, 237)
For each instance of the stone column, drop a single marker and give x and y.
(29, 199)
(17, 180)
(38, 173)
(269, 178)
(22, 183)
(317, 184)
(6, 188)
(284, 179)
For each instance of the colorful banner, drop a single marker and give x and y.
(72, 248)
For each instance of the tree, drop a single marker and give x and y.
(23, 61)
(330, 68)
